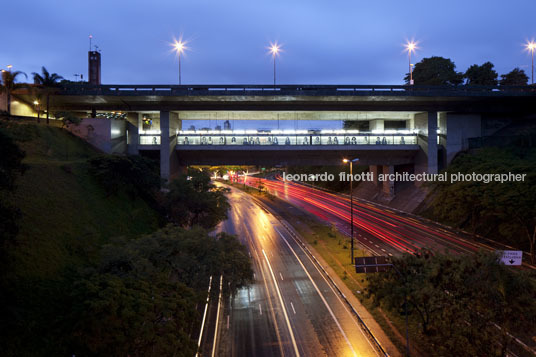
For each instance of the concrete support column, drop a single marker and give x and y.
(388, 186)
(164, 145)
(376, 124)
(133, 139)
(133, 133)
(375, 170)
(432, 143)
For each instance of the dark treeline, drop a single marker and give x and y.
(505, 211)
(466, 305)
(437, 70)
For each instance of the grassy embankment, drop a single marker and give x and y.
(66, 215)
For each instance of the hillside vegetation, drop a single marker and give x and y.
(87, 266)
(505, 212)
(65, 212)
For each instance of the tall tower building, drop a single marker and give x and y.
(94, 67)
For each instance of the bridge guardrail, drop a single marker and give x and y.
(295, 139)
(295, 89)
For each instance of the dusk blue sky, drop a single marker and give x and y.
(324, 42)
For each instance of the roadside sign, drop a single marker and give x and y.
(511, 257)
(371, 264)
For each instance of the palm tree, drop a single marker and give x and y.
(48, 82)
(9, 83)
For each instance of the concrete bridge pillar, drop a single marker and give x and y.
(432, 143)
(388, 186)
(377, 124)
(164, 145)
(133, 133)
(375, 170)
(169, 162)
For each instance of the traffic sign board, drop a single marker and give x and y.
(511, 257)
(371, 264)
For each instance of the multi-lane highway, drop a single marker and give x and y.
(291, 309)
(381, 230)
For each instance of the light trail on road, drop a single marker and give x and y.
(377, 228)
(290, 309)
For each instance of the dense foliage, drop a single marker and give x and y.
(193, 200)
(516, 77)
(502, 211)
(140, 299)
(435, 71)
(457, 303)
(135, 175)
(483, 75)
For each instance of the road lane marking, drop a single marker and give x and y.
(217, 319)
(319, 293)
(227, 322)
(281, 275)
(264, 280)
(333, 290)
(204, 316)
(292, 306)
(282, 305)
(260, 309)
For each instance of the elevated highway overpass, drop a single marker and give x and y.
(439, 120)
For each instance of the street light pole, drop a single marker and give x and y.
(351, 207)
(410, 47)
(531, 46)
(180, 47)
(274, 70)
(410, 71)
(274, 49)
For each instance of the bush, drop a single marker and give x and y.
(134, 175)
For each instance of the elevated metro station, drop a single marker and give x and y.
(389, 128)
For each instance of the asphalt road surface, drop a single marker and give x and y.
(291, 309)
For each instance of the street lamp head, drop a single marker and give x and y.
(411, 46)
(345, 161)
(530, 46)
(179, 46)
(36, 102)
(355, 160)
(274, 49)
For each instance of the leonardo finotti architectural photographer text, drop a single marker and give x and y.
(406, 176)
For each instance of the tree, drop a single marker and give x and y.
(193, 200)
(516, 77)
(116, 315)
(48, 83)
(465, 305)
(435, 71)
(483, 75)
(137, 176)
(505, 211)
(141, 297)
(9, 83)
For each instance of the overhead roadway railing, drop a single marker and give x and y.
(302, 90)
(295, 138)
